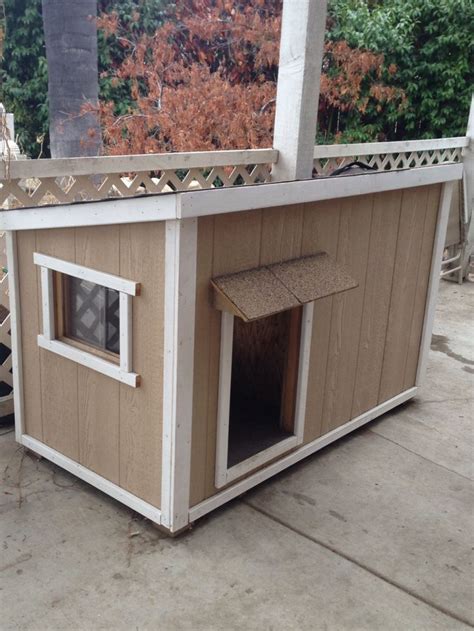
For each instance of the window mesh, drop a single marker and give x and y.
(92, 313)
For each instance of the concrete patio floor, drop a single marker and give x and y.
(373, 532)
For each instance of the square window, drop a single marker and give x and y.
(87, 317)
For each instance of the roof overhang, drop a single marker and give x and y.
(199, 203)
(263, 291)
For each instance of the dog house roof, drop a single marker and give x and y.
(263, 291)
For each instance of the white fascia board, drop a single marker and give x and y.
(235, 199)
(103, 212)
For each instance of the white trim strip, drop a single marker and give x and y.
(108, 211)
(121, 495)
(303, 370)
(169, 370)
(180, 297)
(47, 302)
(89, 360)
(18, 169)
(15, 322)
(86, 273)
(403, 146)
(257, 460)
(433, 285)
(217, 500)
(225, 200)
(223, 400)
(126, 332)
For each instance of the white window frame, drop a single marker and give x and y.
(225, 474)
(121, 372)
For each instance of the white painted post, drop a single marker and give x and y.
(468, 181)
(301, 52)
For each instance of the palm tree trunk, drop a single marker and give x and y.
(71, 51)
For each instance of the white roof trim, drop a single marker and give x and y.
(226, 200)
(221, 200)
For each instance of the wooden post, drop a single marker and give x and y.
(301, 51)
(468, 182)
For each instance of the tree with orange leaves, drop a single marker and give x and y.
(206, 80)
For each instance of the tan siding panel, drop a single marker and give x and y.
(59, 375)
(353, 246)
(383, 241)
(30, 327)
(282, 230)
(98, 395)
(320, 232)
(357, 335)
(410, 235)
(142, 258)
(205, 240)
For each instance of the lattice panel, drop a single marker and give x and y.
(6, 377)
(93, 314)
(391, 161)
(49, 190)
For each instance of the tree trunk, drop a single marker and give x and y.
(70, 32)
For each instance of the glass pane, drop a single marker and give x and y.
(92, 313)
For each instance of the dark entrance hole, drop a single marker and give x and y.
(265, 361)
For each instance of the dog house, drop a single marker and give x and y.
(176, 350)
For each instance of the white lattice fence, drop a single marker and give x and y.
(26, 183)
(388, 156)
(6, 378)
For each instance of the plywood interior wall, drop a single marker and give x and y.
(108, 427)
(365, 342)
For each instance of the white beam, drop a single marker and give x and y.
(468, 160)
(301, 51)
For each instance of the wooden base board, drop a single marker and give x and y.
(121, 495)
(154, 514)
(237, 489)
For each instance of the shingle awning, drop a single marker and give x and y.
(263, 291)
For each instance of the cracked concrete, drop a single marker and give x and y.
(374, 532)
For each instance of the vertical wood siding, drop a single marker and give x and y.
(110, 428)
(365, 342)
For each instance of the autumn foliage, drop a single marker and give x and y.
(206, 80)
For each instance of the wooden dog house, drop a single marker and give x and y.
(175, 350)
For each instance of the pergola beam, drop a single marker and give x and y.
(301, 51)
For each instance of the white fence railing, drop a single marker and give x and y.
(37, 182)
(387, 156)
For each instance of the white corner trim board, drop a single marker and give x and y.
(227, 200)
(180, 299)
(132, 501)
(433, 285)
(225, 474)
(213, 502)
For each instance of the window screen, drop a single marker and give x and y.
(92, 313)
